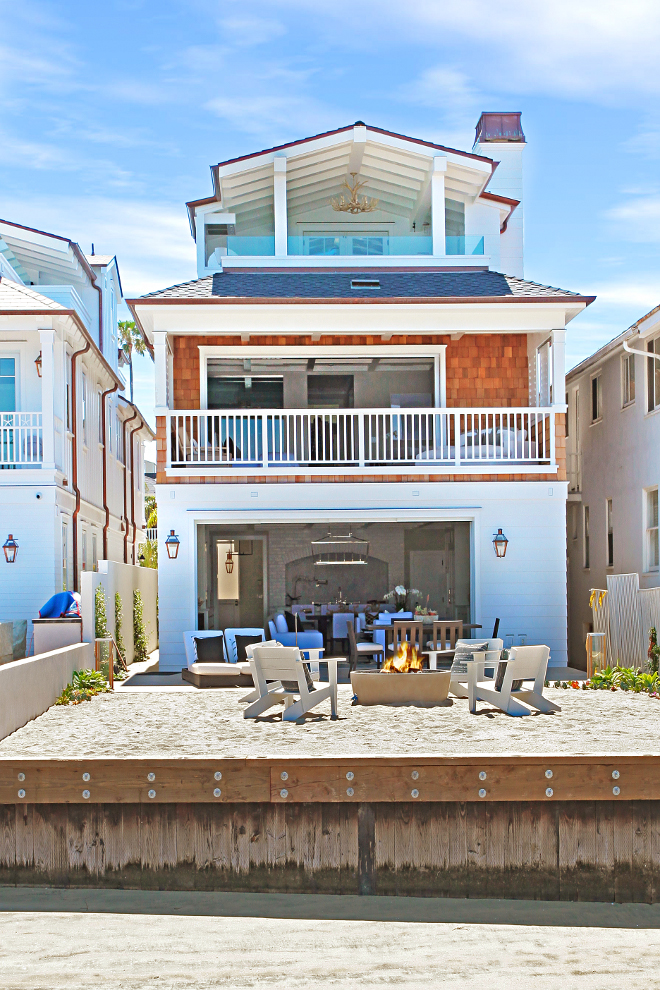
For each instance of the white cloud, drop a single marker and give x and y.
(151, 239)
(638, 219)
(248, 31)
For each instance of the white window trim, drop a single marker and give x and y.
(438, 352)
(627, 358)
(586, 537)
(609, 565)
(648, 567)
(599, 419)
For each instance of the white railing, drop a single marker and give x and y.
(21, 439)
(151, 533)
(293, 441)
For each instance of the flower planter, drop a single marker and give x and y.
(425, 688)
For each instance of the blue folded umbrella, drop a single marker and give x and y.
(64, 605)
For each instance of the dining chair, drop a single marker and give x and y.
(445, 634)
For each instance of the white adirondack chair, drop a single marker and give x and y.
(458, 684)
(279, 676)
(525, 663)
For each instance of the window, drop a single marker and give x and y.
(84, 408)
(67, 362)
(568, 416)
(245, 392)
(65, 556)
(100, 410)
(653, 375)
(95, 554)
(7, 384)
(586, 536)
(120, 439)
(652, 554)
(628, 378)
(575, 520)
(108, 428)
(84, 549)
(596, 398)
(610, 533)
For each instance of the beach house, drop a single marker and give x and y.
(360, 390)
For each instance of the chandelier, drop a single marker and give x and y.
(353, 205)
(340, 550)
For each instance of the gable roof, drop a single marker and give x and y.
(15, 296)
(320, 285)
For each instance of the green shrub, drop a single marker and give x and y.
(100, 617)
(85, 685)
(119, 618)
(139, 634)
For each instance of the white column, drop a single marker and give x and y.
(279, 206)
(438, 206)
(558, 367)
(160, 362)
(46, 341)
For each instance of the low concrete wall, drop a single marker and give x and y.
(125, 579)
(28, 687)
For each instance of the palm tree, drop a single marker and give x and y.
(130, 338)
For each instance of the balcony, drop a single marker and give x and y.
(330, 245)
(21, 440)
(361, 441)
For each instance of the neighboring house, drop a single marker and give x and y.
(71, 445)
(613, 457)
(362, 359)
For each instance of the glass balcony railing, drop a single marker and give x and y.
(334, 245)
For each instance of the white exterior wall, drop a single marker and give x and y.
(507, 181)
(526, 589)
(620, 458)
(124, 579)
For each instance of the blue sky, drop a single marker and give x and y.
(110, 115)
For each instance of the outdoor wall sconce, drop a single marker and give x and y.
(172, 544)
(500, 543)
(10, 546)
(229, 562)
(38, 362)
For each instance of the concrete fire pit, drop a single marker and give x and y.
(424, 688)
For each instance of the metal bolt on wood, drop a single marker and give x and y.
(616, 791)
(615, 775)
(85, 794)
(549, 792)
(284, 775)
(217, 775)
(284, 793)
(548, 774)
(414, 793)
(350, 775)
(482, 792)
(415, 775)
(21, 776)
(217, 792)
(21, 793)
(152, 794)
(482, 775)
(350, 791)
(86, 777)
(151, 776)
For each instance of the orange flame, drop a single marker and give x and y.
(406, 661)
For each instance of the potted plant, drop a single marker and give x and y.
(400, 596)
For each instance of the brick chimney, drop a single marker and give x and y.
(500, 136)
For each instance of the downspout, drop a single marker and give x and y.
(633, 350)
(133, 432)
(107, 392)
(125, 424)
(74, 462)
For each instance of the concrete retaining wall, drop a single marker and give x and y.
(28, 687)
(125, 579)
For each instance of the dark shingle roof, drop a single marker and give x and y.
(333, 284)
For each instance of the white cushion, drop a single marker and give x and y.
(221, 668)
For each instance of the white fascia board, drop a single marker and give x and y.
(352, 261)
(300, 319)
(424, 151)
(304, 148)
(649, 326)
(211, 214)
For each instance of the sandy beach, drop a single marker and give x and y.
(210, 722)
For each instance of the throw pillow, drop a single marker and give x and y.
(208, 649)
(242, 642)
(290, 621)
(281, 624)
(293, 685)
(464, 653)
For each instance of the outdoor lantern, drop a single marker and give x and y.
(172, 543)
(38, 363)
(229, 563)
(10, 546)
(500, 543)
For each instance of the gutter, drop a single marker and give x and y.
(133, 432)
(125, 424)
(633, 350)
(74, 461)
(105, 468)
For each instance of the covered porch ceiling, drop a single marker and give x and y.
(31, 252)
(397, 172)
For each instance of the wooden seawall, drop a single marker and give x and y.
(563, 827)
